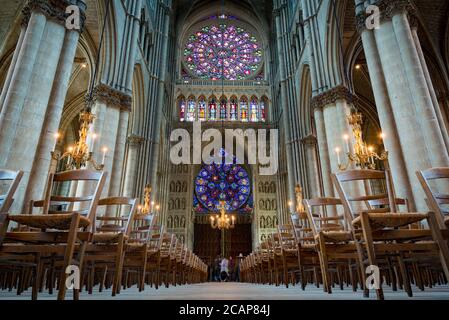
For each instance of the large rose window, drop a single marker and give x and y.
(222, 182)
(222, 49)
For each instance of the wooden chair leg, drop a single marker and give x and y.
(442, 244)
(325, 264)
(405, 277)
(70, 248)
(369, 244)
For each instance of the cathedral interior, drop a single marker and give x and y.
(331, 87)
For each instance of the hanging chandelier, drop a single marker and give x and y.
(148, 207)
(222, 221)
(79, 155)
(362, 155)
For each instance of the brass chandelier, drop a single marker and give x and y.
(362, 155)
(222, 221)
(148, 206)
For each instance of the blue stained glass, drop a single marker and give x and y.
(228, 182)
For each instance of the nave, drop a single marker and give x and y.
(237, 291)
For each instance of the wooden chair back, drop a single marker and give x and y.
(65, 204)
(12, 179)
(301, 227)
(354, 204)
(316, 210)
(144, 228)
(438, 200)
(121, 221)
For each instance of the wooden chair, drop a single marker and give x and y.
(384, 229)
(438, 201)
(335, 243)
(106, 250)
(13, 178)
(54, 233)
(142, 250)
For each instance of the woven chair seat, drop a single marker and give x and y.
(391, 220)
(47, 221)
(336, 236)
(106, 237)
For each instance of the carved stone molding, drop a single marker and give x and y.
(388, 9)
(54, 10)
(112, 97)
(135, 140)
(332, 96)
(310, 140)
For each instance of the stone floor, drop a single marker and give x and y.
(239, 291)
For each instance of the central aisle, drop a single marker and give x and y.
(237, 291)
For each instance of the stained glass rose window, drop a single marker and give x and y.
(216, 46)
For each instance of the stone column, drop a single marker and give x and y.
(134, 144)
(26, 99)
(12, 66)
(17, 91)
(384, 108)
(313, 180)
(154, 165)
(335, 105)
(418, 128)
(323, 149)
(109, 103)
(55, 106)
(119, 156)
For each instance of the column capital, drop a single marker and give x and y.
(332, 96)
(54, 10)
(111, 97)
(387, 9)
(135, 140)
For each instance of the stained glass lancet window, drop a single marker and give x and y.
(213, 108)
(262, 108)
(217, 182)
(244, 109)
(202, 108)
(182, 108)
(191, 109)
(223, 108)
(226, 45)
(254, 109)
(233, 109)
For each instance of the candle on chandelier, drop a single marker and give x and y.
(105, 150)
(57, 136)
(383, 136)
(371, 153)
(69, 157)
(337, 151)
(290, 205)
(346, 138)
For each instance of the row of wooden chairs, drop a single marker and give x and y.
(83, 241)
(365, 239)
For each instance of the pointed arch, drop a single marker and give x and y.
(213, 113)
(254, 109)
(202, 108)
(191, 109)
(223, 107)
(181, 103)
(243, 109)
(233, 108)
